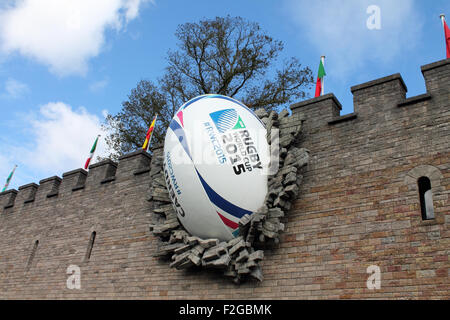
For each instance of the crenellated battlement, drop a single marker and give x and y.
(100, 173)
(372, 100)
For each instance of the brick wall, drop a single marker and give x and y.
(358, 206)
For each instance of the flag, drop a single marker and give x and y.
(9, 178)
(447, 38)
(320, 75)
(91, 155)
(148, 136)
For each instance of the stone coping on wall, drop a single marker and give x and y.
(316, 100)
(393, 77)
(434, 65)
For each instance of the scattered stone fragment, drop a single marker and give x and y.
(234, 241)
(292, 190)
(291, 177)
(178, 236)
(230, 272)
(256, 256)
(243, 270)
(257, 273)
(279, 203)
(273, 115)
(197, 250)
(250, 264)
(269, 234)
(182, 249)
(195, 259)
(275, 181)
(163, 208)
(271, 225)
(238, 246)
(286, 140)
(243, 256)
(290, 159)
(274, 193)
(284, 113)
(208, 243)
(164, 250)
(284, 195)
(222, 262)
(288, 169)
(275, 213)
(161, 196)
(191, 240)
(244, 224)
(261, 113)
(179, 259)
(213, 253)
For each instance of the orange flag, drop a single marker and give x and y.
(148, 137)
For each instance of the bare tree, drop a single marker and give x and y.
(225, 55)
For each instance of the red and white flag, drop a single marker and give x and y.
(447, 36)
(91, 155)
(319, 83)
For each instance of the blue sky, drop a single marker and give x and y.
(65, 64)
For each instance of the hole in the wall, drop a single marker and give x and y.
(33, 253)
(90, 246)
(426, 198)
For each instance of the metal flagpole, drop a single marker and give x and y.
(442, 16)
(323, 79)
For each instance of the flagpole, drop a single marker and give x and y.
(442, 16)
(322, 58)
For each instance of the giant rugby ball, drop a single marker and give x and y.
(215, 165)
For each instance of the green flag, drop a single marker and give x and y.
(321, 71)
(9, 178)
(319, 82)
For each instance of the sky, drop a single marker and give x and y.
(66, 64)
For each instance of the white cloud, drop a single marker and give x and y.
(62, 34)
(131, 9)
(339, 30)
(14, 89)
(61, 138)
(52, 141)
(98, 85)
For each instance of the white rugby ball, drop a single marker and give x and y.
(216, 158)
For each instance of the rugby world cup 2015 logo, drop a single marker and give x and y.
(238, 144)
(227, 119)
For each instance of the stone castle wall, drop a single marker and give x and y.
(358, 206)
